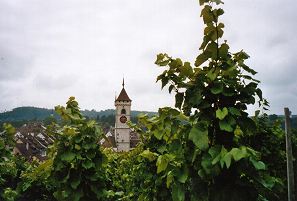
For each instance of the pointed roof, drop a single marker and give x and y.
(123, 95)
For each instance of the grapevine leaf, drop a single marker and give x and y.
(219, 157)
(259, 93)
(74, 184)
(211, 48)
(212, 74)
(170, 88)
(158, 134)
(164, 81)
(216, 159)
(248, 69)
(77, 147)
(178, 193)
(206, 163)
(223, 51)
(77, 195)
(169, 179)
(239, 153)
(68, 156)
(206, 14)
(219, 12)
(228, 92)
(162, 60)
(221, 114)
(217, 2)
(201, 2)
(238, 131)
(259, 165)
(179, 99)
(87, 164)
(227, 159)
(183, 175)
(217, 88)
(199, 136)
(214, 150)
(186, 69)
(224, 125)
(162, 163)
(149, 155)
(201, 59)
(234, 111)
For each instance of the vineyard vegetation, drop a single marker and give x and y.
(207, 148)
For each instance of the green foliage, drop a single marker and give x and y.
(8, 166)
(204, 137)
(78, 163)
(130, 176)
(11, 166)
(269, 140)
(199, 135)
(35, 182)
(49, 120)
(9, 194)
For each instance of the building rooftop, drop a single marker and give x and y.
(123, 96)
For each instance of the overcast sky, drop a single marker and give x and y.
(53, 49)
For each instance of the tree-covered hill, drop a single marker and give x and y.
(20, 115)
(26, 113)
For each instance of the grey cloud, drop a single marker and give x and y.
(83, 48)
(278, 41)
(13, 66)
(58, 82)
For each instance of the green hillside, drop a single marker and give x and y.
(26, 113)
(21, 115)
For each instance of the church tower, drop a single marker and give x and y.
(122, 115)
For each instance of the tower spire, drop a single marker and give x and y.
(123, 96)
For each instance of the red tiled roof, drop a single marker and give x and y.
(123, 96)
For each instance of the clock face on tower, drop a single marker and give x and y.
(123, 119)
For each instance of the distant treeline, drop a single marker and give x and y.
(21, 115)
(281, 118)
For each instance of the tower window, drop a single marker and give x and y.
(123, 111)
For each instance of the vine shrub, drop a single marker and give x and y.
(78, 169)
(7, 164)
(269, 140)
(8, 168)
(197, 148)
(134, 176)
